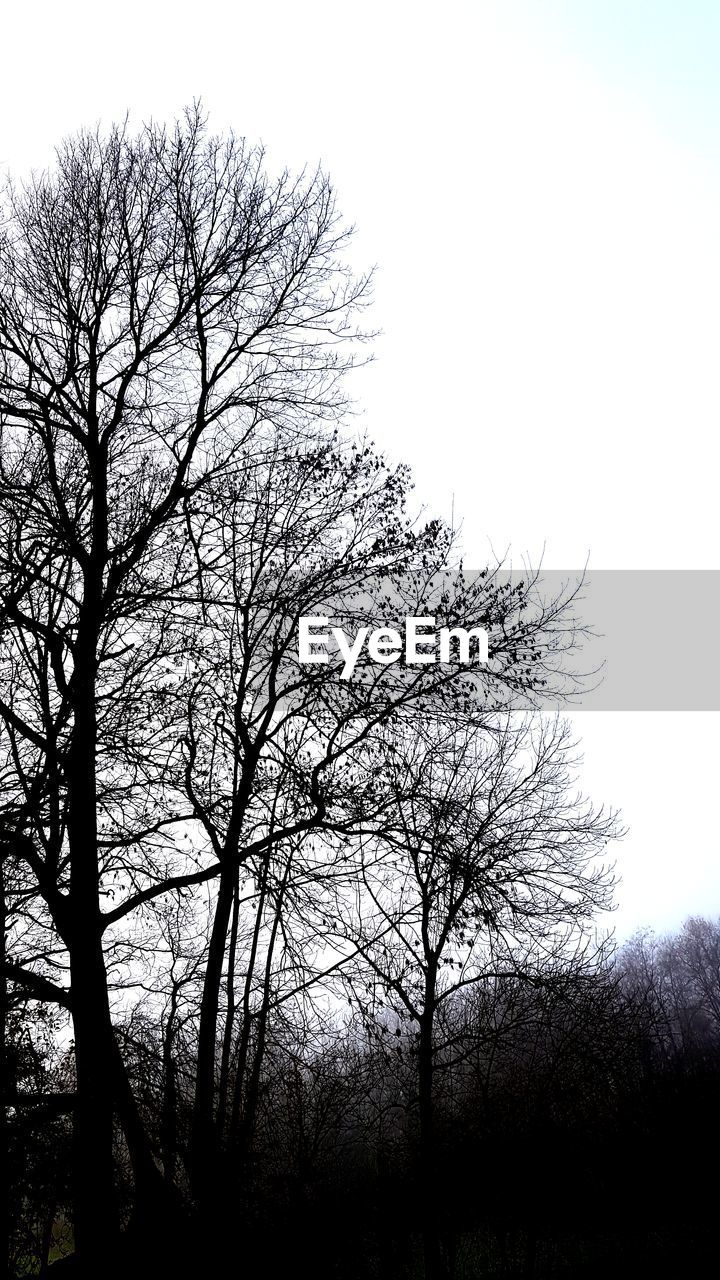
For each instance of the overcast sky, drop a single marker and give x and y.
(539, 185)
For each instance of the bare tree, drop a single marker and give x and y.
(160, 297)
(277, 752)
(488, 870)
(676, 981)
(174, 324)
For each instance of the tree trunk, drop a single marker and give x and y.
(204, 1130)
(95, 1213)
(168, 1124)
(95, 1210)
(229, 1032)
(436, 1266)
(245, 1108)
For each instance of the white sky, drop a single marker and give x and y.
(539, 184)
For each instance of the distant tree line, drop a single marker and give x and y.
(574, 1112)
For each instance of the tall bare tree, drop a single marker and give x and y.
(174, 324)
(160, 297)
(487, 871)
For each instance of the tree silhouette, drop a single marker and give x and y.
(160, 297)
(486, 870)
(185, 804)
